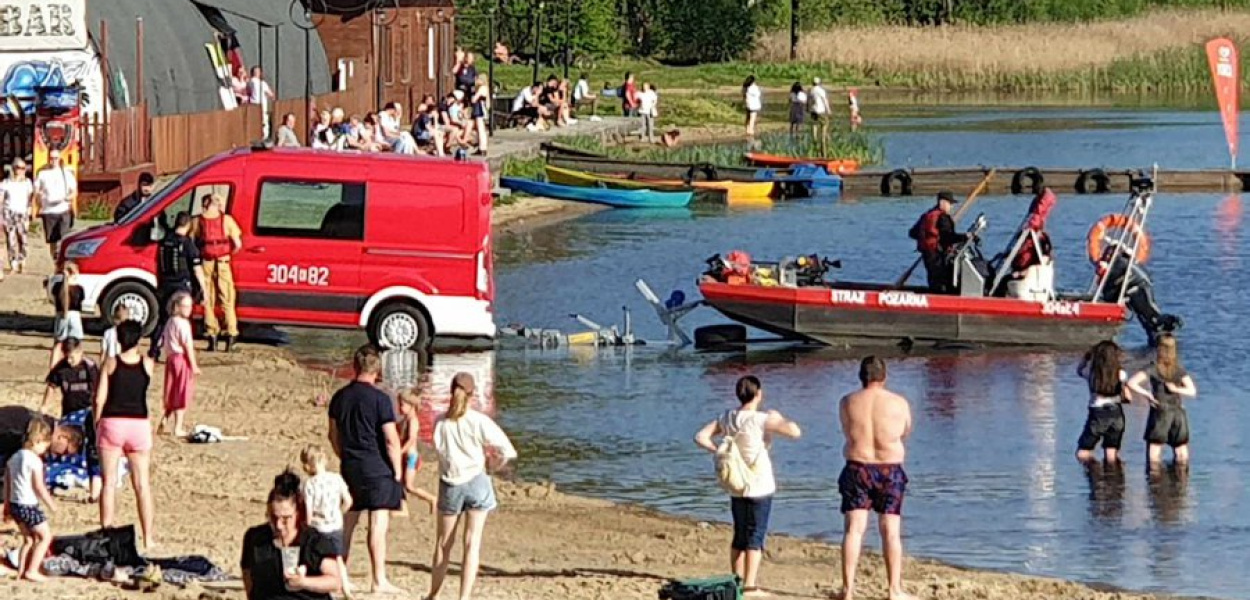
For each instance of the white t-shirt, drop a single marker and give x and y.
(17, 195)
(258, 91)
(799, 97)
(55, 187)
(109, 346)
(389, 124)
(323, 498)
(24, 469)
(461, 446)
(523, 98)
(748, 429)
(853, 103)
(581, 90)
(754, 98)
(820, 101)
(647, 102)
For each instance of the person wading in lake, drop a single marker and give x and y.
(751, 430)
(875, 422)
(1105, 423)
(935, 237)
(1170, 384)
(366, 439)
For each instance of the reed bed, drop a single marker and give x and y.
(1155, 51)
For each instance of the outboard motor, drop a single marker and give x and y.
(1139, 296)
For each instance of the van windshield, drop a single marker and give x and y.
(161, 195)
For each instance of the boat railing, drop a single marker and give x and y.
(1128, 242)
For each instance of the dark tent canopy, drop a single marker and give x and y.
(179, 77)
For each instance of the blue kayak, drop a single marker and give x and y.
(599, 195)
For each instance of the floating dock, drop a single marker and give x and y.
(1025, 180)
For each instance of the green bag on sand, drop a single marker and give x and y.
(724, 587)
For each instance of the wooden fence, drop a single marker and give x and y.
(117, 142)
(179, 141)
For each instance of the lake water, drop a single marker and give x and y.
(994, 481)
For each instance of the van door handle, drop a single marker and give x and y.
(256, 249)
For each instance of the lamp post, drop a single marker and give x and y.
(794, 29)
(568, 27)
(538, 39)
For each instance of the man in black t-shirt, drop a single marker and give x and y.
(147, 185)
(262, 562)
(74, 377)
(366, 439)
(179, 268)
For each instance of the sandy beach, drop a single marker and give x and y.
(541, 544)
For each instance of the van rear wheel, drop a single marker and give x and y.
(399, 327)
(139, 298)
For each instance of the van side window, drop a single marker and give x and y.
(191, 202)
(310, 209)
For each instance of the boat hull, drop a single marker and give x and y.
(734, 191)
(838, 166)
(867, 315)
(598, 195)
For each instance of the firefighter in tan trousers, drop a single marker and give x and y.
(219, 238)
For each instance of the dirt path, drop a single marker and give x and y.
(540, 545)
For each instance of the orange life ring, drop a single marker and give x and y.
(1098, 233)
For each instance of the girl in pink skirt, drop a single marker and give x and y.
(181, 368)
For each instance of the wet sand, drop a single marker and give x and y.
(541, 544)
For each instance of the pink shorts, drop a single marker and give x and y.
(127, 435)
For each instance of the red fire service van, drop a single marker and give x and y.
(397, 245)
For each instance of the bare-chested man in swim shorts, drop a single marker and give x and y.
(875, 422)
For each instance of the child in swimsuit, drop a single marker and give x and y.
(409, 434)
(67, 298)
(24, 490)
(109, 346)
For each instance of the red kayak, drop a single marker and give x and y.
(839, 166)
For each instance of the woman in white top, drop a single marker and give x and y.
(1105, 422)
(752, 430)
(17, 192)
(754, 101)
(461, 438)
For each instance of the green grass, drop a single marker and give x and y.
(96, 210)
(669, 78)
(842, 144)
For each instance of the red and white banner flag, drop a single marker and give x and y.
(1226, 74)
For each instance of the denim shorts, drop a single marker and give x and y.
(476, 494)
(750, 521)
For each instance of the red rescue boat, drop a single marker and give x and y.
(1002, 301)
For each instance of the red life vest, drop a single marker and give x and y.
(925, 231)
(213, 241)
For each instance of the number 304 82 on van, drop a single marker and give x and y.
(399, 246)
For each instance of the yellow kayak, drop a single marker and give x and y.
(735, 191)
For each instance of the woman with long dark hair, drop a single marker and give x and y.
(285, 558)
(461, 438)
(1170, 384)
(1105, 422)
(798, 109)
(753, 98)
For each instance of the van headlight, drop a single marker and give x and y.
(83, 248)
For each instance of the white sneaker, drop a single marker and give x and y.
(531, 128)
(572, 121)
(595, 119)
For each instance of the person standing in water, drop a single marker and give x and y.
(1101, 370)
(875, 422)
(852, 103)
(1170, 384)
(751, 429)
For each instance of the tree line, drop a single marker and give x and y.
(686, 31)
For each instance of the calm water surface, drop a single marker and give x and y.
(994, 482)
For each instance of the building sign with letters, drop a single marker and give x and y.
(40, 25)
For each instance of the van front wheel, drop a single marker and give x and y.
(399, 327)
(139, 298)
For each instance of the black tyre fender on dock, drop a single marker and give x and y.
(1093, 181)
(1035, 181)
(904, 183)
(719, 336)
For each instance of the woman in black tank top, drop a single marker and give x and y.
(122, 426)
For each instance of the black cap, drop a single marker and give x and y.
(947, 196)
(146, 178)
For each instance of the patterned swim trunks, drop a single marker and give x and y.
(876, 487)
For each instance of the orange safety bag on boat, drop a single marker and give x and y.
(1098, 234)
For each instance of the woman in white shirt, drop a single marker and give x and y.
(648, 102)
(752, 430)
(754, 100)
(17, 193)
(461, 438)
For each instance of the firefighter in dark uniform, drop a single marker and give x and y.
(936, 238)
(178, 269)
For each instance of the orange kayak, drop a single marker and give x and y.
(838, 166)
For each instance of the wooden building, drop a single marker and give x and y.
(407, 48)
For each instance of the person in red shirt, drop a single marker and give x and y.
(935, 237)
(629, 96)
(218, 237)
